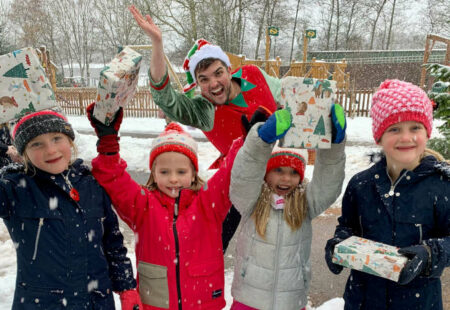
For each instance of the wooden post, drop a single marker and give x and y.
(80, 101)
(267, 50)
(426, 54)
(305, 52)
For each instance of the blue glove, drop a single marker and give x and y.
(329, 250)
(418, 261)
(339, 123)
(276, 126)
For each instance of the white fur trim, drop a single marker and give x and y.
(207, 51)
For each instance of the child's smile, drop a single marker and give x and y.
(404, 144)
(50, 152)
(283, 180)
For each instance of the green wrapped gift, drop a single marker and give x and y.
(372, 257)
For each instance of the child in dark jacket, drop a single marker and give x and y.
(8, 152)
(70, 252)
(402, 200)
(177, 219)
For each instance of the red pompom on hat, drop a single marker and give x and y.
(398, 101)
(174, 139)
(287, 157)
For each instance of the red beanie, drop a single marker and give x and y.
(287, 157)
(174, 139)
(398, 101)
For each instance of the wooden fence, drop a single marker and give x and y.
(74, 101)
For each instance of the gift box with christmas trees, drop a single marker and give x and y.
(309, 100)
(369, 256)
(117, 84)
(24, 86)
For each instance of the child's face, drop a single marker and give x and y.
(283, 180)
(215, 82)
(50, 152)
(403, 144)
(173, 171)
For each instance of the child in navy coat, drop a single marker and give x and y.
(70, 252)
(402, 200)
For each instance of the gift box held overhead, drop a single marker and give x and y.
(309, 101)
(369, 256)
(117, 84)
(24, 87)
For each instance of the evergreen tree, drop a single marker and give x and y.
(440, 94)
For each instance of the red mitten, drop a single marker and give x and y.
(130, 300)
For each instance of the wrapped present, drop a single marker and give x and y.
(369, 256)
(24, 87)
(117, 84)
(309, 101)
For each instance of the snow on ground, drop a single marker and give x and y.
(136, 152)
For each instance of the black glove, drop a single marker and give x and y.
(108, 139)
(418, 256)
(329, 250)
(261, 114)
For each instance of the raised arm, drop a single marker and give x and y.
(248, 171)
(157, 62)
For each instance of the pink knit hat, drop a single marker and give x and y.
(288, 157)
(174, 139)
(398, 101)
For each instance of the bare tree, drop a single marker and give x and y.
(390, 24)
(294, 29)
(75, 21)
(31, 23)
(338, 15)
(330, 23)
(378, 6)
(261, 28)
(116, 26)
(437, 17)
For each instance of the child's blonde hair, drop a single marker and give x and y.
(295, 208)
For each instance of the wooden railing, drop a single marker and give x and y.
(74, 101)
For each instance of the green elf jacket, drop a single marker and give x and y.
(221, 124)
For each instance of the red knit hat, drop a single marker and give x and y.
(398, 101)
(287, 157)
(174, 139)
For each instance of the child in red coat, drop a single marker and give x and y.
(176, 217)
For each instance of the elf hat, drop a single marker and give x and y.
(287, 157)
(38, 123)
(201, 49)
(174, 139)
(398, 101)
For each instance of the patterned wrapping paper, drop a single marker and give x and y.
(24, 87)
(369, 256)
(117, 84)
(309, 102)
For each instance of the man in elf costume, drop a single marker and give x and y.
(225, 96)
